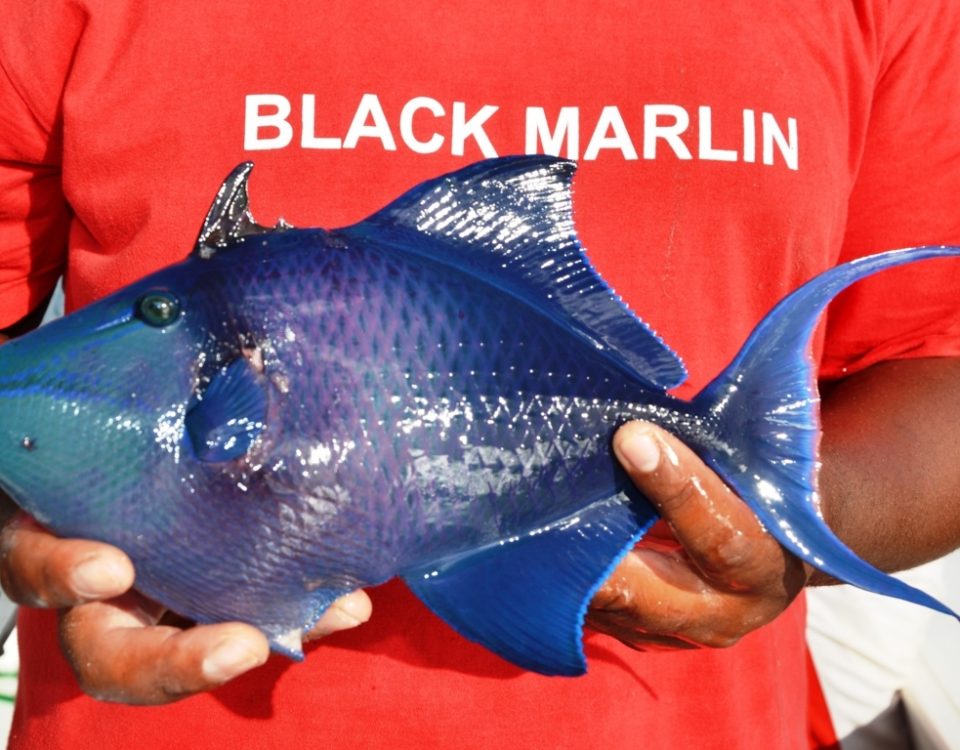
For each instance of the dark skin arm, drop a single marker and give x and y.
(902, 462)
(890, 485)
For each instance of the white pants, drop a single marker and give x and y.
(869, 648)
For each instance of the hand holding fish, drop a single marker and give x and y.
(889, 489)
(119, 643)
(731, 578)
(430, 393)
(716, 578)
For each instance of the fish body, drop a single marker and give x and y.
(291, 414)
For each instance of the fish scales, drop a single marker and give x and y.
(290, 414)
(428, 389)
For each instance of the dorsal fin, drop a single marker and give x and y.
(229, 218)
(510, 220)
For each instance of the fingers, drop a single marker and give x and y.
(722, 575)
(40, 570)
(346, 612)
(115, 647)
(718, 531)
(650, 601)
(119, 653)
(114, 638)
(656, 599)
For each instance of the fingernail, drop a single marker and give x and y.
(228, 660)
(344, 614)
(356, 606)
(642, 452)
(98, 577)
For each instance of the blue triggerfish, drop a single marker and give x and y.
(291, 414)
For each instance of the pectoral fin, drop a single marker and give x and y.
(228, 415)
(525, 598)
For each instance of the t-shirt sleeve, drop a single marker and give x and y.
(35, 55)
(907, 193)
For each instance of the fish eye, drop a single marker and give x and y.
(158, 309)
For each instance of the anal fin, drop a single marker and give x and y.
(525, 598)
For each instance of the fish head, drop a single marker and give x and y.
(93, 404)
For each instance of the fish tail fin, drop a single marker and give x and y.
(765, 406)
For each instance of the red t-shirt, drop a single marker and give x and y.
(727, 154)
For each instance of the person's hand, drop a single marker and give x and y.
(122, 646)
(707, 579)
